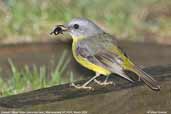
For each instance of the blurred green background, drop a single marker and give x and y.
(137, 20)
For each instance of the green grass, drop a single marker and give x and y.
(32, 19)
(24, 80)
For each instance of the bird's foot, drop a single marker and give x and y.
(81, 87)
(104, 83)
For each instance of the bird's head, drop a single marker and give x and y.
(78, 28)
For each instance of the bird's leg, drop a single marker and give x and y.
(105, 82)
(84, 86)
(139, 78)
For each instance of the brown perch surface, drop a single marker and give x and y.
(124, 97)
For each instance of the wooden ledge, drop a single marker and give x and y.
(65, 92)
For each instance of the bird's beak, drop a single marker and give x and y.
(59, 29)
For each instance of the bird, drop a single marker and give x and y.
(100, 52)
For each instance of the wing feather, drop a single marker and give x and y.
(104, 58)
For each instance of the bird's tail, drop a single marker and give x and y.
(146, 78)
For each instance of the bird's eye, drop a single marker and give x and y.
(76, 26)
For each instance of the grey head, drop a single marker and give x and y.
(81, 27)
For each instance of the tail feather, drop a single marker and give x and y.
(147, 79)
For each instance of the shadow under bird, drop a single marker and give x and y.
(99, 51)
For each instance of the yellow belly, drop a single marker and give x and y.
(84, 62)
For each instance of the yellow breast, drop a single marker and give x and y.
(84, 62)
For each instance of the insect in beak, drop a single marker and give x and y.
(59, 29)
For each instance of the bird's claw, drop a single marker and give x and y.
(81, 87)
(104, 83)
